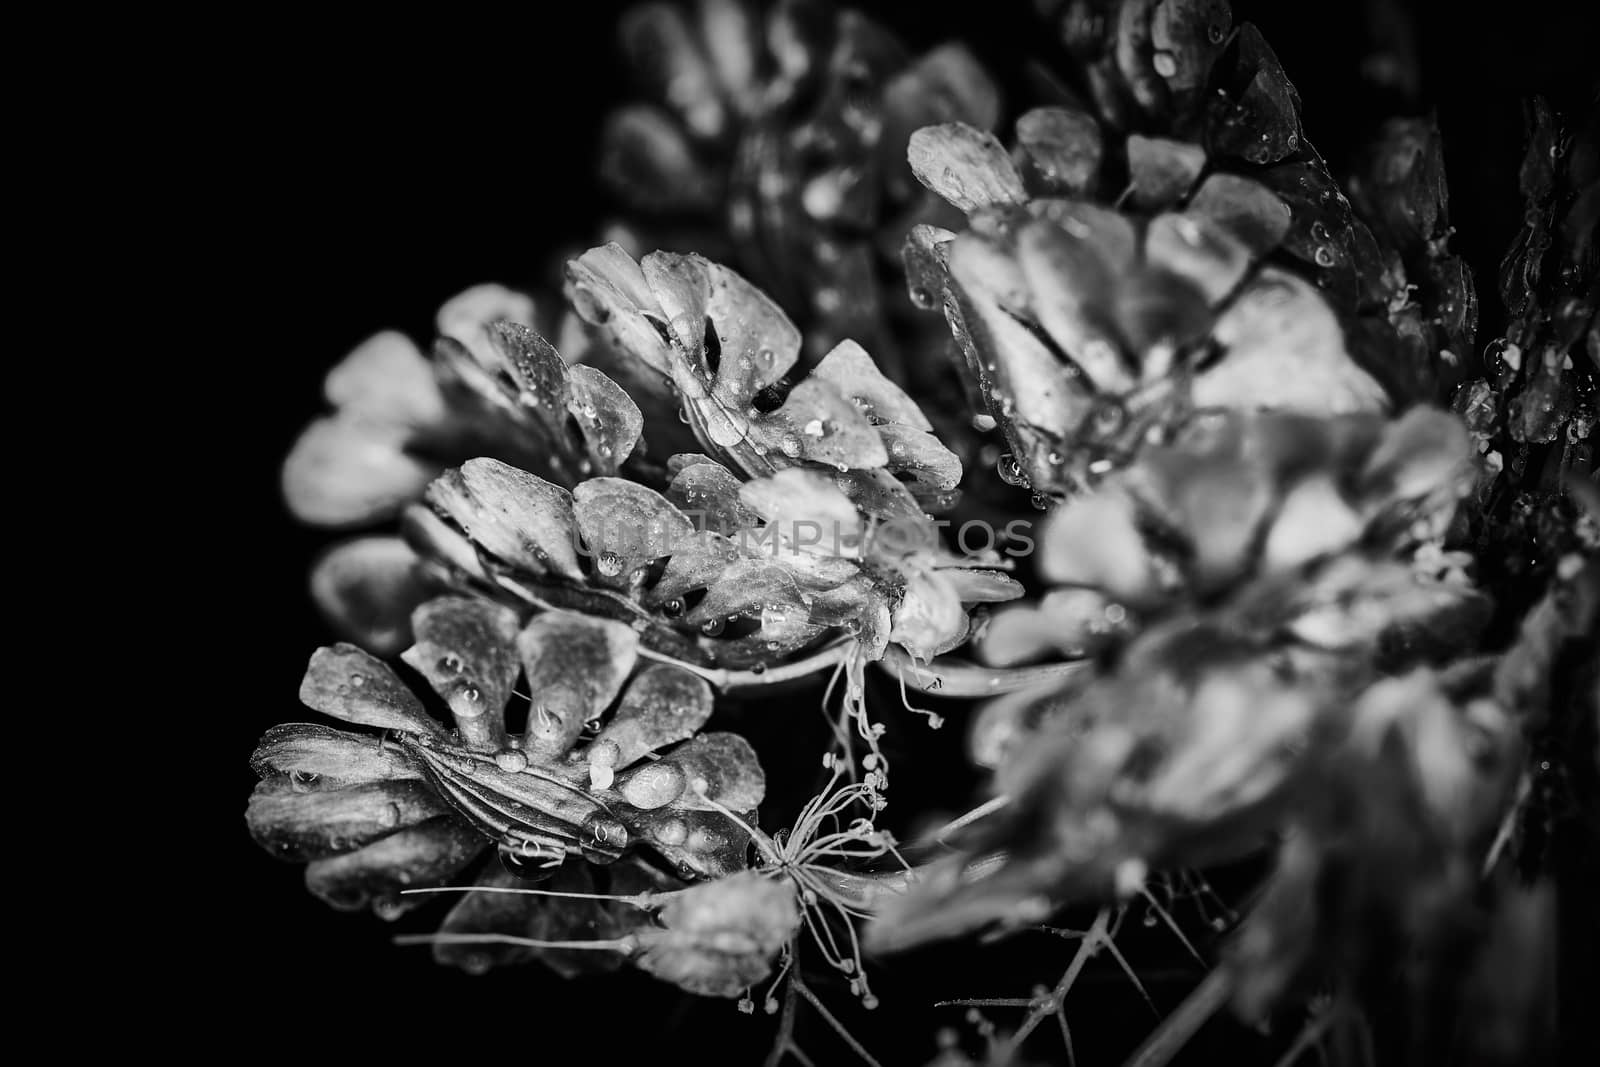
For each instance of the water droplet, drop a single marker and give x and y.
(759, 668)
(814, 428)
(673, 608)
(1215, 33)
(1324, 256)
(303, 781)
(1164, 62)
(511, 761)
(450, 663)
(609, 564)
(790, 445)
(921, 297)
(683, 416)
(713, 627)
(1055, 459)
(983, 423)
(391, 815)
(1010, 470)
(358, 680)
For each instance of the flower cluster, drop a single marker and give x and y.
(1309, 585)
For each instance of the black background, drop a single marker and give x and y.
(381, 169)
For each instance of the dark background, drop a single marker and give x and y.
(384, 168)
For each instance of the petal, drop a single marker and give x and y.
(663, 48)
(975, 585)
(1421, 452)
(695, 564)
(662, 705)
(852, 372)
(513, 515)
(467, 316)
(388, 380)
(1062, 150)
(421, 856)
(647, 159)
(709, 495)
(1218, 501)
(606, 416)
(819, 425)
(345, 470)
(759, 344)
(609, 292)
(1313, 520)
(929, 619)
(808, 511)
(349, 684)
(946, 84)
(1070, 622)
(627, 526)
(966, 166)
(702, 844)
(1009, 359)
(1285, 350)
(921, 459)
(325, 758)
(1262, 124)
(925, 255)
(1248, 210)
(367, 589)
(727, 768)
(1072, 290)
(1198, 250)
(295, 824)
(880, 494)
(1095, 541)
(1162, 170)
(575, 667)
(466, 648)
(750, 588)
(1192, 34)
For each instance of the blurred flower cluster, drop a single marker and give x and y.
(1312, 582)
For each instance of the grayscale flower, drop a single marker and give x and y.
(611, 765)
(773, 137)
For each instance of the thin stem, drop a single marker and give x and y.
(638, 900)
(625, 945)
(855, 1046)
(955, 678)
(725, 679)
(1176, 1029)
(1097, 935)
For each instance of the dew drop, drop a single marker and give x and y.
(1324, 256)
(358, 680)
(790, 445)
(713, 627)
(450, 663)
(511, 761)
(1164, 62)
(609, 564)
(1010, 470)
(673, 608)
